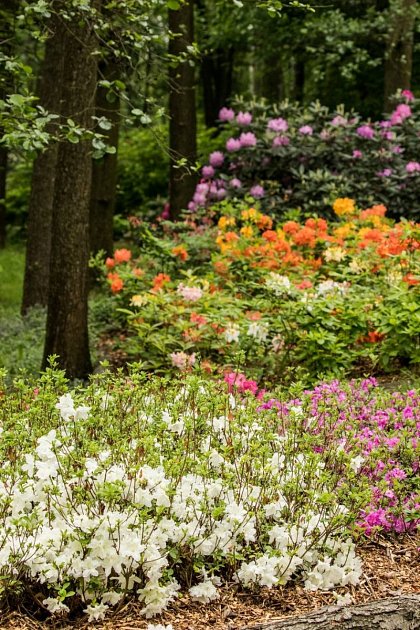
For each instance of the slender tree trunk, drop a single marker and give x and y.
(299, 83)
(8, 10)
(3, 175)
(104, 170)
(216, 74)
(271, 81)
(395, 613)
(67, 330)
(399, 53)
(182, 126)
(38, 243)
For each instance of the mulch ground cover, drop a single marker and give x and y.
(391, 567)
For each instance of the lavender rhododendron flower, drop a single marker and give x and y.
(248, 139)
(401, 112)
(208, 171)
(365, 131)
(306, 130)
(413, 167)
(233, 144)
(226, 114)
(216, 159)
(278, 125)
(244, 119)
(281, 141)
(257, 192)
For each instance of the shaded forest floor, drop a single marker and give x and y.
(391, 567)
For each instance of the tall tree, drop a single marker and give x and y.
(67, 330)
(182, 109)
(104, 170)
(8, 12)
(38, 244)
(399, 51)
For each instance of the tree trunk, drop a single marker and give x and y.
(38, 243)
(3, 175)
(395, 613)
(216, 74)
(104, 170)
(271, 81)
(67, 330)
(182, 126)
(299, 83)
(8, 12)
(399, 52)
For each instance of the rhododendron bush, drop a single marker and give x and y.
(289, 156)
(147, 488)
(327, 297)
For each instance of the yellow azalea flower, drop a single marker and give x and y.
(343, 206)
(247, 231)
(344, 230)
(225, 222)
(137, 300)
(250, 215)
(281, 234)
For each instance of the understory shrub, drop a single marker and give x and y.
(323, 297)
(139, 487)
(292, 157)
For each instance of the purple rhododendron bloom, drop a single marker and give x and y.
(408, 95)
(208, 171)
(233, 144)
(216, 159)
(278, 125)
(385, 173)
(257, 192)
(400, 113)
(235, 183)
(306, 130)
(413, 167)
(339, 121)
(226, 114)
(244, 118)
(281, 141)
(364, 131)
(357, 154)
(248, 139)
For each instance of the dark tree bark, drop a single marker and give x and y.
(183, 125)
(67, 331)
(299, 83)
(395, 613)
(216, 74)
(8, 12)
(38, 243)
(271, 81)
(3, 175)
(104, 170)
(399, 53)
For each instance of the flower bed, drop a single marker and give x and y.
(323, 297)
(136, 487)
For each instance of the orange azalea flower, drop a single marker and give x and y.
(116, 282)
(305, 284)
(139, 273)
(231, 237)
(411, 280)
(220, 267)
(254, 316)
(265, 222)
(159, 281)
(110, 263)
(122, 255)
(291, 227)
(200, 320)
(305, 236)
(270, 235)
(180, 252)
(375, 211)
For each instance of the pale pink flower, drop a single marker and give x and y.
(182, 360)
(248, 139)
(233, 144)
(244, 119)
(190, 294)
(216, 159)
(226, 114)
(278, 125)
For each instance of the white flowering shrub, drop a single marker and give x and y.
(144, 488)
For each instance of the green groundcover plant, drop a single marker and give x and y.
(149, 488)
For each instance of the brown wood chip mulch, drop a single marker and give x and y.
(390, 568)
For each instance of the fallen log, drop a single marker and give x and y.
(394, 613)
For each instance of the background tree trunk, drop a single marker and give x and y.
(67, 326)
(395, 613)
(104, 170)
(38, 243)
(217, 75)
(399, 53)
(8, 12)
(182, 112)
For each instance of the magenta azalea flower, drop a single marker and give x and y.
(364, 131)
